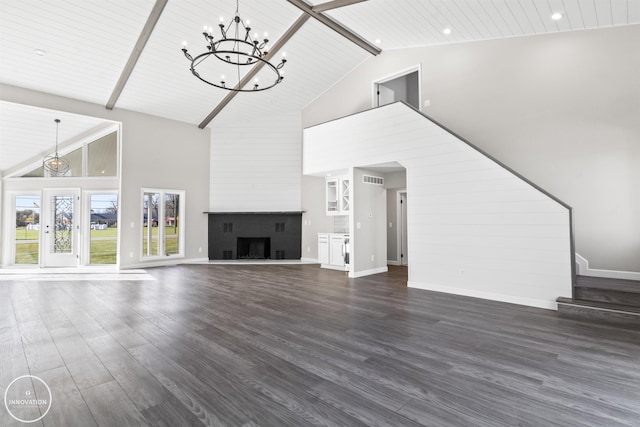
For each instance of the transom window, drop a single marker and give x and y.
(96, 158)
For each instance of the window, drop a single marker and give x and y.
(75, 162)
(171, 227)
(96, 158)
(102, 156)
(163, 231)
(27, 231)
(103, 234)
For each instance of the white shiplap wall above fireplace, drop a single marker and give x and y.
(255, 165)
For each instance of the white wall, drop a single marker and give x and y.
(368, 231)
(314, 219)
(255, 166)
(561, 109)
(475, 228)
(395, 179)
(156, 153)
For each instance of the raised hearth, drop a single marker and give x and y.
(255, 235)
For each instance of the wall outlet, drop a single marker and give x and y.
(390, 225)
(130, 254)
(200, 250)
(427, 103)
(373, 257)
(358, 225)
(308, 249)
(133, 224)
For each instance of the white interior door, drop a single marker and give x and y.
(404, 256)
(386, 95)
(60, 228)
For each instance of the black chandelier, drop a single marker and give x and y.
(236, 48)
(56, 165)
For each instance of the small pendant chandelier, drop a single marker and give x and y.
(56, 165)
(236, 48)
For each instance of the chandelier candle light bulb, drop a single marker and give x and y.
(232, 53)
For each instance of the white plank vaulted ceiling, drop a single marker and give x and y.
(88, 43)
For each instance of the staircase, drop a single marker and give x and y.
(609, 300)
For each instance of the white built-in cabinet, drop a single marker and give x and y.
(337, 250)
(332, 251)
(338, 196)
(323, 248)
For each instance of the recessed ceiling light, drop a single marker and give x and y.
(378, 41)
(39, 52)
(447, 31)
(556, 16)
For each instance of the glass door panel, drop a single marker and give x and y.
(60, 229)
(150, 209)
(27, 233)
(103, 224)
(171, 225)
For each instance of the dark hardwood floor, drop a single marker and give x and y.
(294, 345)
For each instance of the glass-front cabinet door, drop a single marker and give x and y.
(332, 196)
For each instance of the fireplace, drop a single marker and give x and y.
(254, 248)
(255, 235)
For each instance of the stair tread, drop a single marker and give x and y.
(620, 285)
(603, 305)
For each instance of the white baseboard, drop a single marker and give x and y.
(357, 274)
(392, 262)
(335, 267)
(585, 270)
(166, 262)
(309, 260)
(196, 261)
(531, 302)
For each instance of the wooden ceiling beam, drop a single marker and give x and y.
(277, 46)
(309, 12)
(337, 27)
(154, 16)
(333, 4)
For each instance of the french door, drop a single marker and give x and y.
(60, 223)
